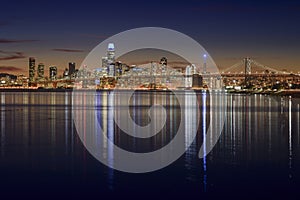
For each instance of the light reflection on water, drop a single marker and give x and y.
(260, 141)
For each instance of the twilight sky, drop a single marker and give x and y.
(57, 32)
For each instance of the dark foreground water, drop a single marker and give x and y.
(257, 155)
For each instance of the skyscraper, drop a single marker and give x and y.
(66, 73)
(71, 68)
(104, 62)
(204, 63)
(40, 71)
(197, 80)
(163, 62)
(118, 66)
(188, 78)
(111, 53)
(104, 65)
(111, 60)
(52, 72)
(31, 69)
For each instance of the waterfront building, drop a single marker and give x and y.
(163, 63)
(188, 78)
(40, 71)
(111, 69)
(72, 66)
(197, 81)
(111, 53)
(66, 73)
(53, 72)
(204, 64)
(31, 69)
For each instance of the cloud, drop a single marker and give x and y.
(69, 50)
(5, 41)
(6, 55)
(10, 69)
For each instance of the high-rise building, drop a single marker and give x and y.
(40, 71)
(52, 72)
(188, 78)
(204, 64)
(104, 62)
(111, 59)
(197, 80)
(66, 73)
(72, 66)
(119, 70)
(31, 69)
(194, 69)
(163, 63)
(104, 65)
(112, 69)
(111, 53)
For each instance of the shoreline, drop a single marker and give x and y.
(292, 92)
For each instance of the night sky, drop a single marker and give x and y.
(57, 32)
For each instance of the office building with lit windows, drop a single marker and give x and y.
(53, 72)
(40, 71)
(31, 69)
(71, 68)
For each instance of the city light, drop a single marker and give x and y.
(156, 75)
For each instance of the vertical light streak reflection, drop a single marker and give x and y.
(2, 123)
(72, 134)
(52, 127)
(233, 123)
(290, 138)
(26, 117)
(52, 118)
(249, 135)
(298, 124)
(110, 135)
(256, 114)
(104, 124)
(270, 127)
(66, 121)
(204, 141)
(191, 117)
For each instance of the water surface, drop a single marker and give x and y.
(257, 154)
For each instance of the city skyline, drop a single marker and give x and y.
(155, 99)
(266, 31)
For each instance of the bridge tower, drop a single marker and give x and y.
(247, 62)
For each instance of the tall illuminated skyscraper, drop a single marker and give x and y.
(204, 64)
(111, 60)
(104, 66)
(71, 68)
(188, 74)
(111, 53)
(31, 69)
(52, 72)
(40, 71)
(163, 63)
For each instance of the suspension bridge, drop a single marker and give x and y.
(249, 70)
(248, 66)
